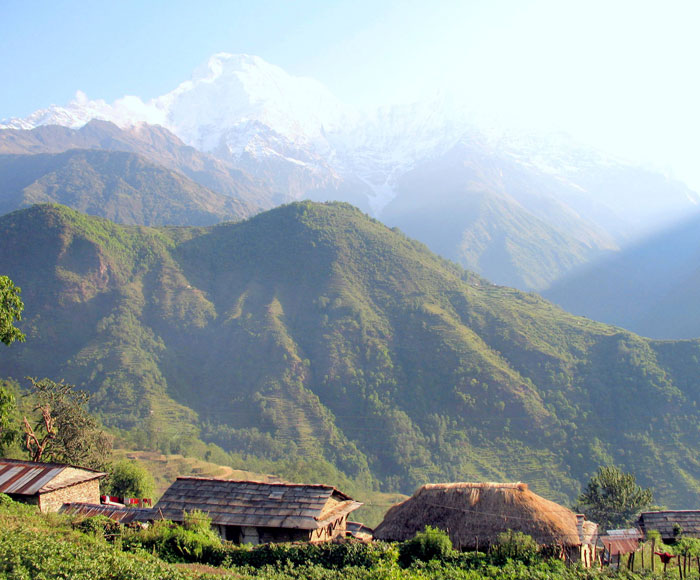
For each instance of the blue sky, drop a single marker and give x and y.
(620, 74)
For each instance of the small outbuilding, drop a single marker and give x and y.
(117, 513)
(254, 512)
(49, 485)
(474, 514)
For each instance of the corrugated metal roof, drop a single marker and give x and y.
(119, 514)
(30, 478)
(252, 503)
(621, 541)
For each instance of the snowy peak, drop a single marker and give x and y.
(231, 90)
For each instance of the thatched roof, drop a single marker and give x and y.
(475, 513)
(253, 503)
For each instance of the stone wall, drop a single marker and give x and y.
(86, 492)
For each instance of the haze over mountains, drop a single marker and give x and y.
(523, 210)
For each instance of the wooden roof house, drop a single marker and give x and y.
(474, 514)
(256, 512)
(49, 485)
(671, 523)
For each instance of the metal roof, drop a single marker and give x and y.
(123, 515)
(252, 503)
(621, 541)
(30, 478)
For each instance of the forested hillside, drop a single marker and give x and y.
(312, 333)
(120, 186)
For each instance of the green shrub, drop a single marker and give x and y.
(515, 546)
(98, 525)
(430, 544)
(5, 500)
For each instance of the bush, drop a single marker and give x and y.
(98, 525)
(130, 479)
(515, 546)
(5, 500)
(430, 544)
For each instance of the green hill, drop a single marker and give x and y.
(314, 337)
(123, 187)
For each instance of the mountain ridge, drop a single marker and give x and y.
(313, 322)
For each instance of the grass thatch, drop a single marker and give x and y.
(475, 513)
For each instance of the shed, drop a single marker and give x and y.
(624, 541)
(474, 514)
(671, 523)
(49, 485)
(256, 512)
(120, 514)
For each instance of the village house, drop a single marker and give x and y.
(254, 512)
(671, 523)
(49, 485)
(474, 514)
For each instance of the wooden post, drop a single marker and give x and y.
(680, 569)
(642, 556)
(653, 549)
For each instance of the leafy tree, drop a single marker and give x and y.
(11, 307)
(613, 499)
(65, 431)
(8, 433)
(130, 479)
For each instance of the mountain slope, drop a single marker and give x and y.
(314, 333)
(120, 186)
(266, 138)
(156, 144)
(650, 288)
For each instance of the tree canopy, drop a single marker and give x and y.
(11, 307)
(130, 479)
(613, 499)
(64, 431)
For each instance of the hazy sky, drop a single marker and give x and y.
(619, 74)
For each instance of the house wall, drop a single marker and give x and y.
(85, 492)
(332, 530)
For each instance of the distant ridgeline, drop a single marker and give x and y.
(314, 341)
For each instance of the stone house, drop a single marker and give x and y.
(253, 512)
(49, 485)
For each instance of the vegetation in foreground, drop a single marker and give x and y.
(36, 546)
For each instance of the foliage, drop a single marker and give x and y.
(11, 307)
(613, 499)
(515, 546)
(313, 322)
(430, 544)
(9, 432)
(129, 479)
(98, 525)
(66, 432)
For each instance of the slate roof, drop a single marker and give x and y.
(123, 515)
(665, 522)
(256, 504)
(29, 477)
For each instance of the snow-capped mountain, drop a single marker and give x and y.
(294, 139)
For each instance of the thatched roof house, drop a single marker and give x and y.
(474, 514)
(257, 512)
